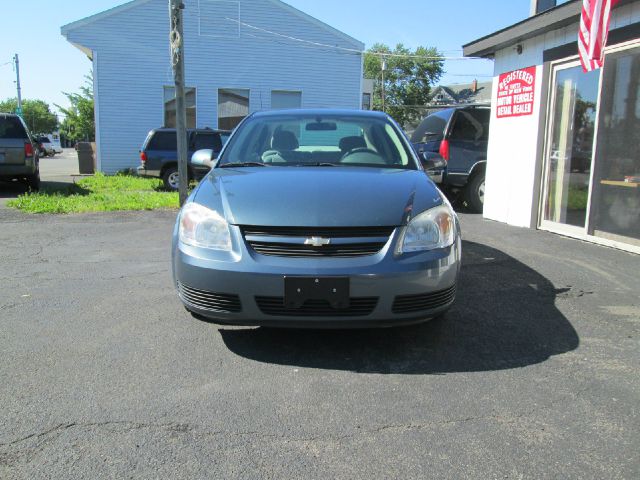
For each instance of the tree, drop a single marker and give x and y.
(36, 114)
(79, 122)
(408, 78)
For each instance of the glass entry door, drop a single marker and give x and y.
(615, 201)
(569, 151)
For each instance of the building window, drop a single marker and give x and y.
(170, 107)
(366, 101)
(233, 106)
(282, 99)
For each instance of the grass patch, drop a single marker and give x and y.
(100, 193)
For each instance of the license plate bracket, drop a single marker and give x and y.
(335, 290)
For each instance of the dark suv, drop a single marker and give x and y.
(159, 153)
(459, 136)
(18, 152)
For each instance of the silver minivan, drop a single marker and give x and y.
(18, 152)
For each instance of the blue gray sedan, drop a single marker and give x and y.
(316, 218)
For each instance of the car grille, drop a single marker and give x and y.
(290, 241)
(358, 307)
(423, 301)
(216, 302)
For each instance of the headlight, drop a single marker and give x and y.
(203, 227)
(432, 229)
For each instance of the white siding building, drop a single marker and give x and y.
(241, 56)
(562, 152)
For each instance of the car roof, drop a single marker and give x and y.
(320, 111)
(208, 130)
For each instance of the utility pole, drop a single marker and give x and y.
(384, 67)
(176, 41)
(17, 64)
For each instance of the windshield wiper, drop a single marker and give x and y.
(242, 164)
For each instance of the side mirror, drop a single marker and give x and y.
(204, 158)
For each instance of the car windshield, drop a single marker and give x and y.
(317, 140)
(432, 127)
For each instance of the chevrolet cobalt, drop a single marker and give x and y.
(316, 218)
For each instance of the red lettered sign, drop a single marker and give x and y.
(515, 93)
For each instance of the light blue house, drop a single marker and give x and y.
(241, 56)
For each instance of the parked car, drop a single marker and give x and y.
(459, 136)
(316, 218)
(19, 157)
(158, 154)
(55, 142)
(45, 146)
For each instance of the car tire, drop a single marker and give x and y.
(33, 182)
(170, 179)
(475, 193)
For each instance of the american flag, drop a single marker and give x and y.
(594, 29)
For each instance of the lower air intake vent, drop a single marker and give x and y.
(423, 301)
(216, 302)
(358, 307)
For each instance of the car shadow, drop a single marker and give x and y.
(504, 317)
(14, 189)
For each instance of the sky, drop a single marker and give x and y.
(49, 65)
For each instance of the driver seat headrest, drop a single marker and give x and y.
(284, 140)
(349, 143)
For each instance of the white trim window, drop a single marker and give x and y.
(233, 106)
(170, 107)
(286, 99)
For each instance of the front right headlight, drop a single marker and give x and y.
(434, 228)
(202, 227)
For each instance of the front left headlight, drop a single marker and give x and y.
(203, 227)
(434, 228)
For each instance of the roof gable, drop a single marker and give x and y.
(463, 93)
(356, 44)
(99, 16)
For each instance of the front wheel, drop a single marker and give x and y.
(475, 193)
(171, 179)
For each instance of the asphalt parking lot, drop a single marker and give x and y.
(532, 374)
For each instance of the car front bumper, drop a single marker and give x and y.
(248, 289)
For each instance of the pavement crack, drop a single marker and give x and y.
(184, 428)
(57, 428)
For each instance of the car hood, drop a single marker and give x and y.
(317, 196)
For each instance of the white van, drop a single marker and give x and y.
(55, 141)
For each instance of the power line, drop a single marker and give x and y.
(350, 51)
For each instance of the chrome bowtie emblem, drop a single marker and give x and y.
(317, 241)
